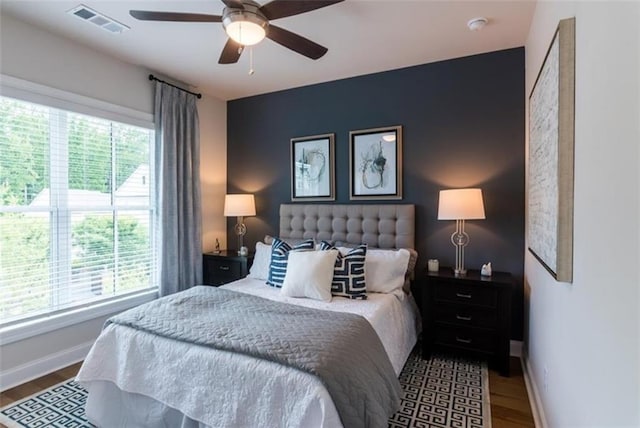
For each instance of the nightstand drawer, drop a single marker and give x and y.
(466, 294)
(466, 338)
(465, 315)
(225, 268)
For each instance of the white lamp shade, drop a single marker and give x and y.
(460, 204)
(239, 205)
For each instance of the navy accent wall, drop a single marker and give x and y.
(463, 126)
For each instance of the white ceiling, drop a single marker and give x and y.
(363, 36)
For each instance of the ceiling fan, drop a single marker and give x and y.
(247, 23)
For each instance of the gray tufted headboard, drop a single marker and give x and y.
(381, 226)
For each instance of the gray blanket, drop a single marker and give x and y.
(341, 349)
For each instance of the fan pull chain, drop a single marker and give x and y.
(251, 70)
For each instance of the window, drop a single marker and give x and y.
(76, 210)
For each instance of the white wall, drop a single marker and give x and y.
(587, 334)
(29, 53)
(32, 54)
(213, 170)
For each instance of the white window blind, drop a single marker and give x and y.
(76, 210)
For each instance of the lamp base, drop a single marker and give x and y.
(460, 272)
(243, 251)
(460, 239)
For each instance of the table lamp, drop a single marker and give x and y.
(240, 205)
(460, 205)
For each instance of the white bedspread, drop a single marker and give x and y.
(156, 376)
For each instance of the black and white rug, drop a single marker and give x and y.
(440, 392)
(443, 391)
(61, 405)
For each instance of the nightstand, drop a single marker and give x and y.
(468, 314)
(226, 266)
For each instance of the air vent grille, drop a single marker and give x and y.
(108, 24)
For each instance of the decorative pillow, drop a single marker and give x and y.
(411, 267)
(279, 255)
(268, 239)
(385, 270)
(309, 274)
(348, 273)
(261, 262)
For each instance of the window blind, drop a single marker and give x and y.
(76, 210)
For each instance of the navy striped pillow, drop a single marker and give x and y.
(348, 273)
(280, 256)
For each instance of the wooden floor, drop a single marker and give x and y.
(44, 382)
(508, 395)
(509, 400)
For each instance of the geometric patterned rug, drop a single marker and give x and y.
(442, 392)
(61, 405)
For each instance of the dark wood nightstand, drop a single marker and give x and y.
(468, 314)
(226, 266)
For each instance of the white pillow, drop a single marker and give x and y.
(385, 270)
(309, 274)
(261, 261)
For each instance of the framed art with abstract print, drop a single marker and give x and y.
(313, 168)
(551, 157)
(375, 163)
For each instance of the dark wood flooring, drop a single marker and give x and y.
(509, 401)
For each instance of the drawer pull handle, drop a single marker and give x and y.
(224, 268)
(461, 318)
(464, 296)
(465, 341)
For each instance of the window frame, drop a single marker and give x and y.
(40, 323)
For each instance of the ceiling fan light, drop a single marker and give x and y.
(244, 28)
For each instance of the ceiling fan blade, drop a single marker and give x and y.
(237, 4)
(282, 8)
(147, 15)
(295, 42)
(231, 52)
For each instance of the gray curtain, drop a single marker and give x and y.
(177, 166)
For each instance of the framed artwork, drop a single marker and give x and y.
(312, 168)
(551, 148)
(375, 163)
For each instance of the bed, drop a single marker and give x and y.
(135, 378)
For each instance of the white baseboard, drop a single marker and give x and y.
(515, 348)
(42, 366)
(535, 401)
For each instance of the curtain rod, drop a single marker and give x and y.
(152, 77)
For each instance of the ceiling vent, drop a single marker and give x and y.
(87, 14)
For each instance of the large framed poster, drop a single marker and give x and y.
(551, 157)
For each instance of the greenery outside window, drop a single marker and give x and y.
(77, 210)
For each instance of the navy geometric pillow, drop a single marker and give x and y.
(348, 272)
(280, 256)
